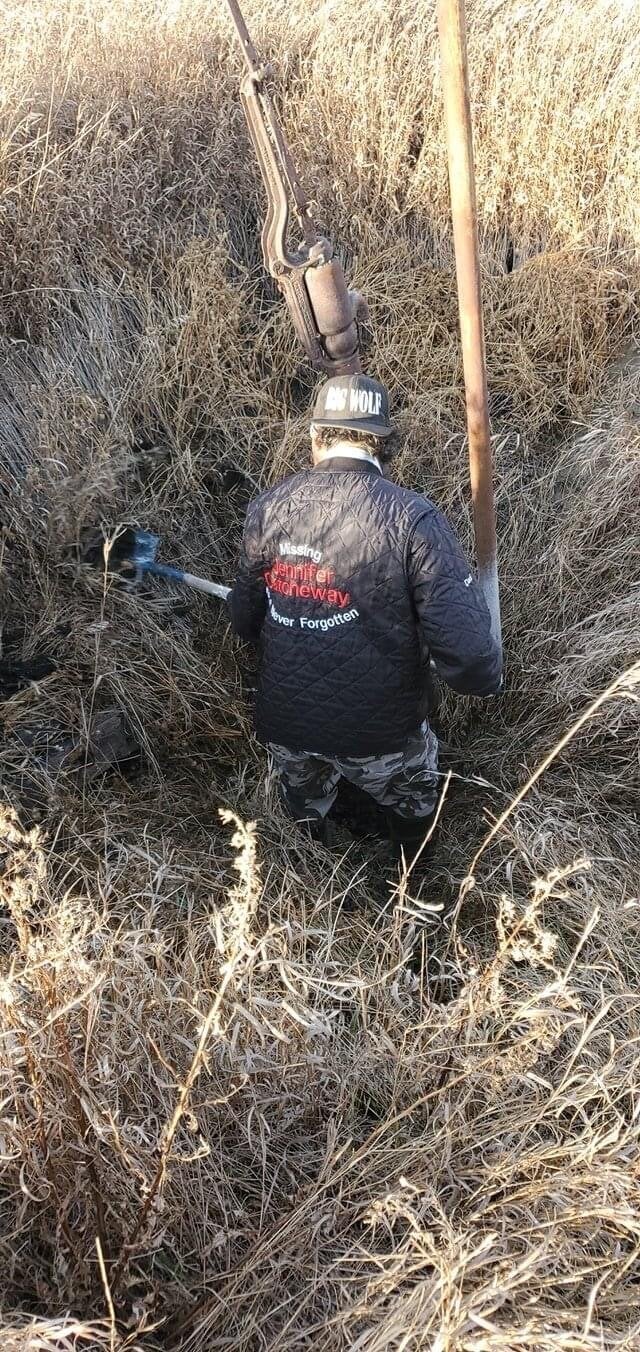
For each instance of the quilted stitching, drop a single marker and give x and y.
(358, 689)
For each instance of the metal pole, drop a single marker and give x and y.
(455, 81)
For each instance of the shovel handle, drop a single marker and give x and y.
(203, 584)
(189, 579)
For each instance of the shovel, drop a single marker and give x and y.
(138, 548)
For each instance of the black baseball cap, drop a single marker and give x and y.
(354, 402)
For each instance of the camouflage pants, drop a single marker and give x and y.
(405, 781)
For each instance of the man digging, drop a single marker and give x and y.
(351, 585)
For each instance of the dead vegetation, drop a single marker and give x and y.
(245, 1102)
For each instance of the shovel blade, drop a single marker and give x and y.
(129, 548)
(143, 547)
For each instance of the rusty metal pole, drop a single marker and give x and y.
(455, 81)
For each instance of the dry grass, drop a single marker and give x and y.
(246, 1101)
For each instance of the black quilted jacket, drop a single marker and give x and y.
(351, 584)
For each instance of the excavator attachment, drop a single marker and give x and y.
(325, 311)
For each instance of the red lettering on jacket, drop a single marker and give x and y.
(302, 572)
(301, 582)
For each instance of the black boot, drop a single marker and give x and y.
(407, 836)
(317, 828)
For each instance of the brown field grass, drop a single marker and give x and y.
(247, 1101)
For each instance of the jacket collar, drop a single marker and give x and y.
(346, 456)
